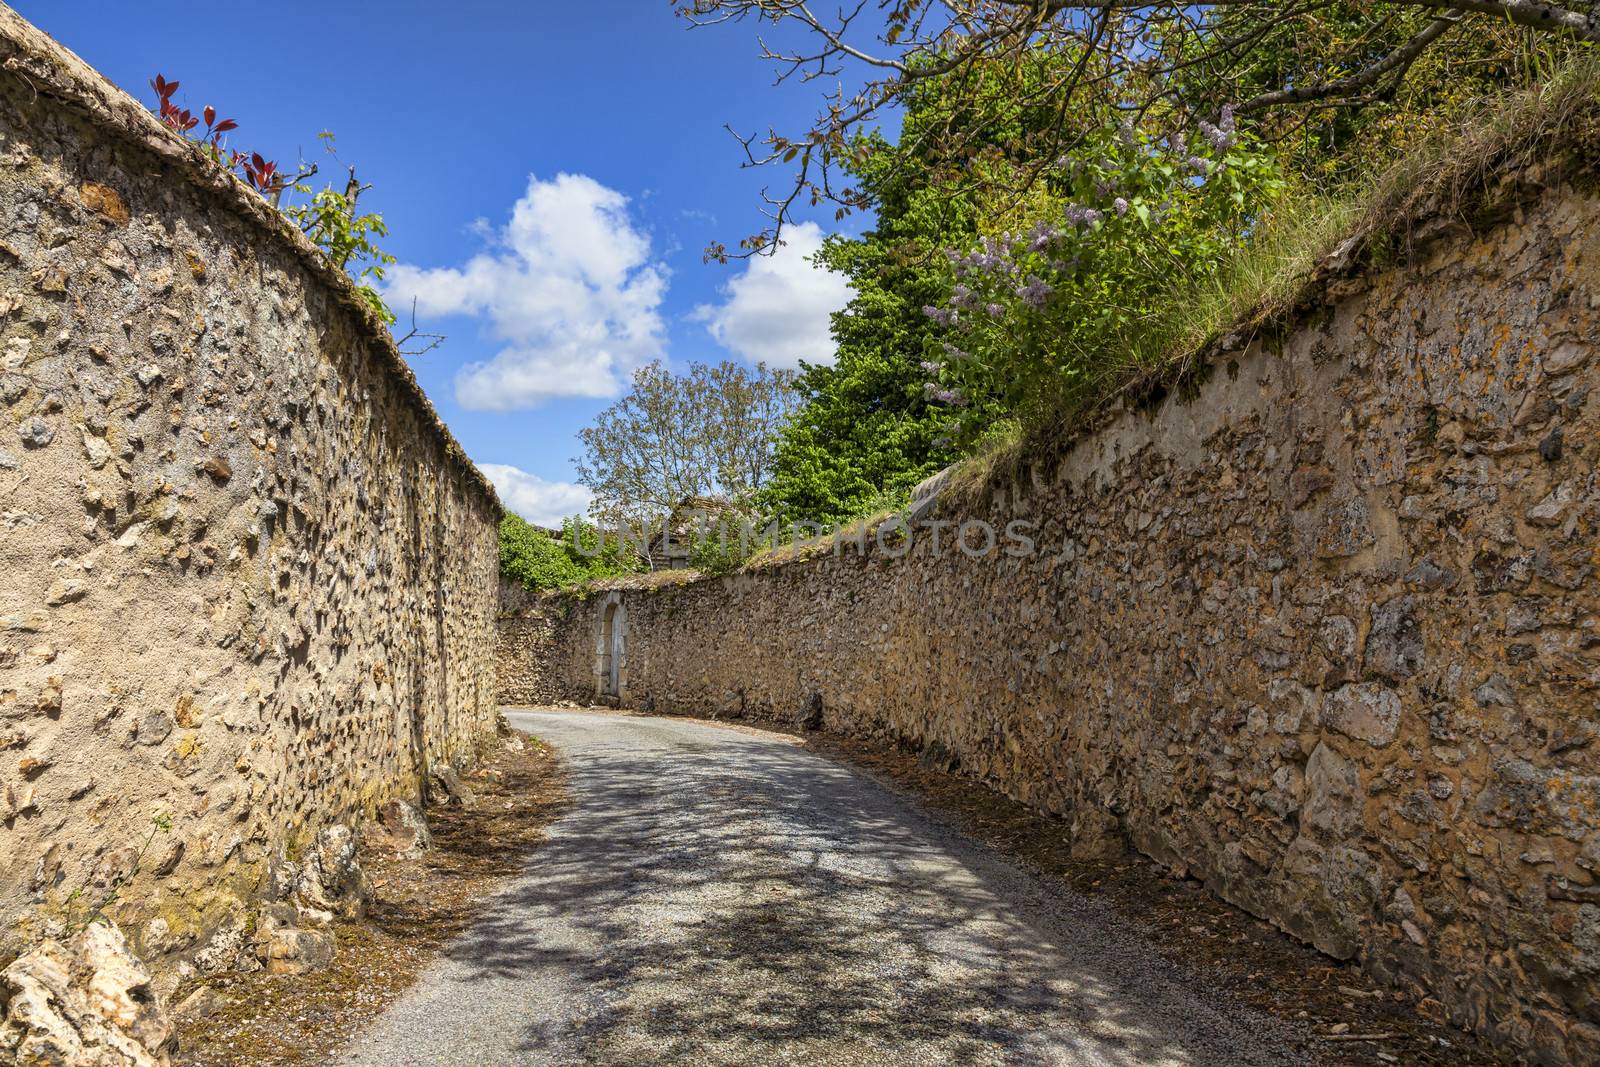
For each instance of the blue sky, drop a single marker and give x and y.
(550, 174)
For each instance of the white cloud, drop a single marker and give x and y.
(540, 502)
(567, 284)
(776, 312)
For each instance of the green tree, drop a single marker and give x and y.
(867, 432)
(705, 433)
(537, 560)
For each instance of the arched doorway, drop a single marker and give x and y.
(610, 659)
(608, 653)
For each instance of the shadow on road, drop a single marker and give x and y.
(720, 898)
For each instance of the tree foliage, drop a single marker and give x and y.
(705, 433)
(539, 561)
(867, 431)
(1085, 167)
(346, 237)
(1096, 62)
(1038, 314)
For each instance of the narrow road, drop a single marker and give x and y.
(719, 897)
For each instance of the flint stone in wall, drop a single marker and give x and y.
(66, 591)
(1327, 891)
(404, 828)
(1394, 642)
(1567, 357)
(1523, 796)
(330, 883)
(1366, 711)
(95, 450)
(1429, 576)
(36, 433)
(445, 786)
(228, 947)
(1586, 938)
(1346, 529)
(1291, 704)
(89, 1003)
(1338, 635)
(1552, 510)
(810, 716)
(154, 728)
(1333, 793)
(284, 947)
(1496, 691)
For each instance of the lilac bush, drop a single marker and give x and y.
(1037, 317)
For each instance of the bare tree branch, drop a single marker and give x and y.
(434, 340)
(1398, 60)
(1106, 54)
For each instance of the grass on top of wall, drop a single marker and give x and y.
(1463, 172)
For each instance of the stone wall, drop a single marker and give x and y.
(1326, 636)
(247, 578)
(524, 629)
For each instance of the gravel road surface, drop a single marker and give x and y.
(722, 897)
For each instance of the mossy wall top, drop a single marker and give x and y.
(247, 578)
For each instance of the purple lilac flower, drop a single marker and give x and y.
(996, 311)
(1121, 206)
(940, 394)
(939, 315)
(1221, 140)
(1036, 292)
(931, 367)
(1126, 135)
(1082, 216)
(961, 297)
(953, 352)
(1198, 165)
(985, 259)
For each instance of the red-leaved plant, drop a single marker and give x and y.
(329, 219)
(262, 174)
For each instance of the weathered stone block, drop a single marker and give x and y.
(1366, 711)
(1333, 793)
(87, 1002)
